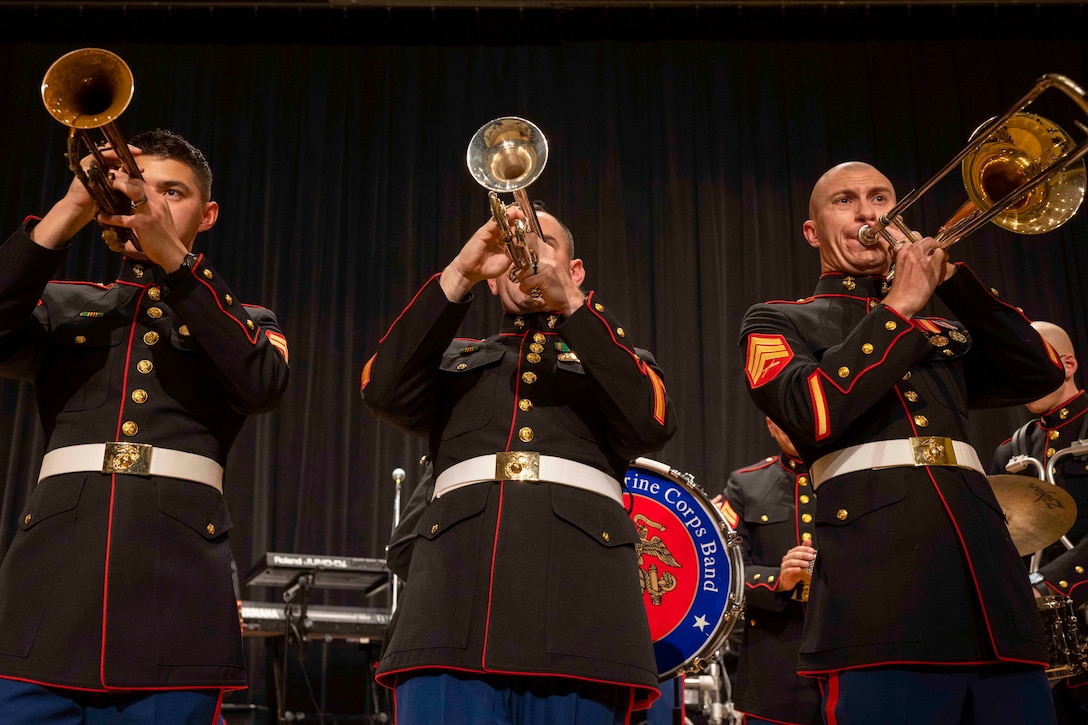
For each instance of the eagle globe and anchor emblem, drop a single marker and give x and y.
(689, 566)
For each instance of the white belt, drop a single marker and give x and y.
(528, 466)
(921, 451)
(138, 459)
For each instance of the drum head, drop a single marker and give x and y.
(690, 566)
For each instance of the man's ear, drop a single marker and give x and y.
(577, 272)
(493, 286)
(809, 230)
(211, 215)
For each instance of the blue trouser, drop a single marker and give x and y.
(25, 703)
(994, 696)
(454, 699)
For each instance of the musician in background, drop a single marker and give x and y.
(912, 614)
(523, 595)
(116, 596)
(771, 506)
(1061, 418)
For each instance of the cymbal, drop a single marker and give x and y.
(1037, 513)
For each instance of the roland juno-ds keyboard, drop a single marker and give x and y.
(276, 569)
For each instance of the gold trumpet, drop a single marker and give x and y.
(87, 89)
(508, 154)
(1020, 170)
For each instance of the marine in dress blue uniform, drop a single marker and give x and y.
(1061, 418)
(772, 507)
(522, 581)
(118, 583)
(912, 615)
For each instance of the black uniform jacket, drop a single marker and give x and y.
(1065, 572)
(914, 561)
(122, 581)
(771, 506)
(512, 577)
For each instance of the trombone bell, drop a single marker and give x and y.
(1019, 149)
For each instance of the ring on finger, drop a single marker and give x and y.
(138, 202)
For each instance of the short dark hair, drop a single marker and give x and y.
(540, 206)
(171, 145)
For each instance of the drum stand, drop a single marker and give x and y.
(705, 690)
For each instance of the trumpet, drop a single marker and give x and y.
(508, 154)
(1020, 170)
(88, 89)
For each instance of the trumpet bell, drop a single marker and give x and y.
(507, 154)
(1020, 148)
(87, 88)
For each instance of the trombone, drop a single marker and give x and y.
(87, 89)
(508, 154)
(1020, 170)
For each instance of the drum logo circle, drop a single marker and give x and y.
(683, 565)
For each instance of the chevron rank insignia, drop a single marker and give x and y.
(768, 355)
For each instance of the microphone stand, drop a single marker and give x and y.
(302, 585)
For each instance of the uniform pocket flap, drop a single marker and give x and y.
(200, 507)
(767, 513)
(599, 518)
(470, 357)
(444, 513)
(840, 510)
(50, 498)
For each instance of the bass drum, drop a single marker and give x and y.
(690, 566)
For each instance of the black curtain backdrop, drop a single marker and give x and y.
(684, 146)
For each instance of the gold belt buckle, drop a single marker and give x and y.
(130, 458)
(517, 466)
(933, 451)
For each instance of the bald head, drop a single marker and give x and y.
(835, 179)
(1056, 336)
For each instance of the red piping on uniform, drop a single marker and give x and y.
(831, 699)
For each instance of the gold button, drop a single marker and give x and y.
(229, 299)
(1053, 435)
(803, 499)
(620, 332)
(1050, 452)
(183, 330)
(1079, 569)
(770, 577)
(806, 518)
(26, 519)
(921, 421)
(911, 396)
(844, 371)
(938, 341)
(1063, 584)
(129, 428)
(525, 405)
(139, 396)
(841, 514)
(211, 529)
(605, 536)
(994, 292)
(890, 325)
(462, 366)
(80, 339)
(948, 353)
(907, 376)
(249, 324)
(764, 518)
(533, 358)
(806, 536)
(525, 434)
(529, 377)
(207, 273)
(151, 337)
(538, 337)
(536, 347)
(598, 306)
(154, 293)
(154, 312)
(144, 366)
(867, 349)
(802, 480)
(757, 577)
(434, 528)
